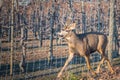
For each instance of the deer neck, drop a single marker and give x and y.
(70, 37)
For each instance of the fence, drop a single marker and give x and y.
(37, 50)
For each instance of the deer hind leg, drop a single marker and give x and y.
(87, 58)
(102, 61)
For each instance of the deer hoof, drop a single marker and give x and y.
(59, 75)
(112, 72)
(97, 71)
(58, 78)
(94, 74)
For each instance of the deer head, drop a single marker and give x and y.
(67, 29)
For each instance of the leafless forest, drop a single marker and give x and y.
(28, 33)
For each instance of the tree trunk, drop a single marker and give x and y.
(98, 25)
(12, 47)
(111, 30)
(52, 12)
(83, 18)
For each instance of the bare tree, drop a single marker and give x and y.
(1, 3)
(12, 47)
(111, 30)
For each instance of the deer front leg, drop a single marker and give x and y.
(65, 65)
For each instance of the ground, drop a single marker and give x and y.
(35, 53)
(103, 75)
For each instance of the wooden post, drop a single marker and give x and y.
(111, 30)
(12, 47)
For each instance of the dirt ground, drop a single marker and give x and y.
(103, 75)
(33, 51)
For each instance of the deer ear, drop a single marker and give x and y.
(72, 26)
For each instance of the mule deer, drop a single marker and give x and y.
(84, 45)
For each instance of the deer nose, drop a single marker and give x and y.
(58, 33)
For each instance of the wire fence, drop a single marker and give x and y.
(37, 50)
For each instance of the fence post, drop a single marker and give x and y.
(12, 47)
(111, 30)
